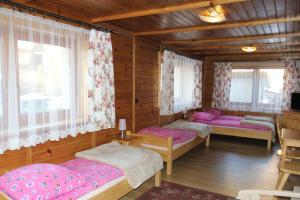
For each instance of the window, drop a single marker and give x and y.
(258, 89)
(43, 77)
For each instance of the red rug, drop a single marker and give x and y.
(173, 191)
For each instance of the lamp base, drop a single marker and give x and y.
(123, 134)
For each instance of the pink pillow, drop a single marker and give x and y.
(39, 181)
(203, 116)
(215, 112)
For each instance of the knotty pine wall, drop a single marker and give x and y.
(145, 91)
(207, 83)
(146, 84)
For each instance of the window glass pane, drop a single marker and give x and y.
(241, 85)
(270, 86)
(43, 77)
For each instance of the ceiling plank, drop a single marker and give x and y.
(231, 39)
(297, 50)
(220, 26)
(164, 9)
(260, 57)
(259, 45)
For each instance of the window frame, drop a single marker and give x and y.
(255, 86)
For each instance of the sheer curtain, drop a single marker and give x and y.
(44, 67)
(186, 82)
(257, 89)
(181, 83)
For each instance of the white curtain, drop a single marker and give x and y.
(185, 76)
(257, 89)
(222, 84)
(291, 82)
(44, 91)
(181, 83)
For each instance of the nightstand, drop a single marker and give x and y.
(129, 140)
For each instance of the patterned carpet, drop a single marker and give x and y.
(172, 191)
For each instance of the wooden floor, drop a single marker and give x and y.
(227, 166)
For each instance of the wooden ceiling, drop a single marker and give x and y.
(272, 25)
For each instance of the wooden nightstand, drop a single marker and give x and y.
(129, 140)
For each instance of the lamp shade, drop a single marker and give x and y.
(122, 124)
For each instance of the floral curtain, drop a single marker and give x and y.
(197, 93)
(167, 83)
(101, 91)
(291, 82)
(222, 84)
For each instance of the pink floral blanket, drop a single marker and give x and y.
(178, 135)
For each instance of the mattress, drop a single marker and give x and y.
(178, 135)
(98, 176)
(231, 121)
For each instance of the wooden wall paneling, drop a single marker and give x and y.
(12, 159)
(170, 118)
(123, 66)
(147, 80)
(159, 61)
(62, 150)
(207, 83)
(134, 84)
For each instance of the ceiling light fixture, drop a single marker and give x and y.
(249, 49)
(213, 14)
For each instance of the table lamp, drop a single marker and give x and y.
(122, 127)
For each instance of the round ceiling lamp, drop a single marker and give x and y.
(213, 14)
(249, 49)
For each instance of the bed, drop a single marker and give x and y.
(248, 127)
(171, 143)
(99, 180)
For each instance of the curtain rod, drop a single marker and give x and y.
(49, 14)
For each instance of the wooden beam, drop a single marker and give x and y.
(242, 52)
(231, 39)
(243, 57)
(220, 26)
(227, 47)
(164, 9)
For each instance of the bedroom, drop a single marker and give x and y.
(74, 74)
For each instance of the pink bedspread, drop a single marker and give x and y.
(178, 135)
(96, 174)
(231, 121)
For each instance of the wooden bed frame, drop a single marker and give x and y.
(113, 193)
(169, 154)
(245, 133)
